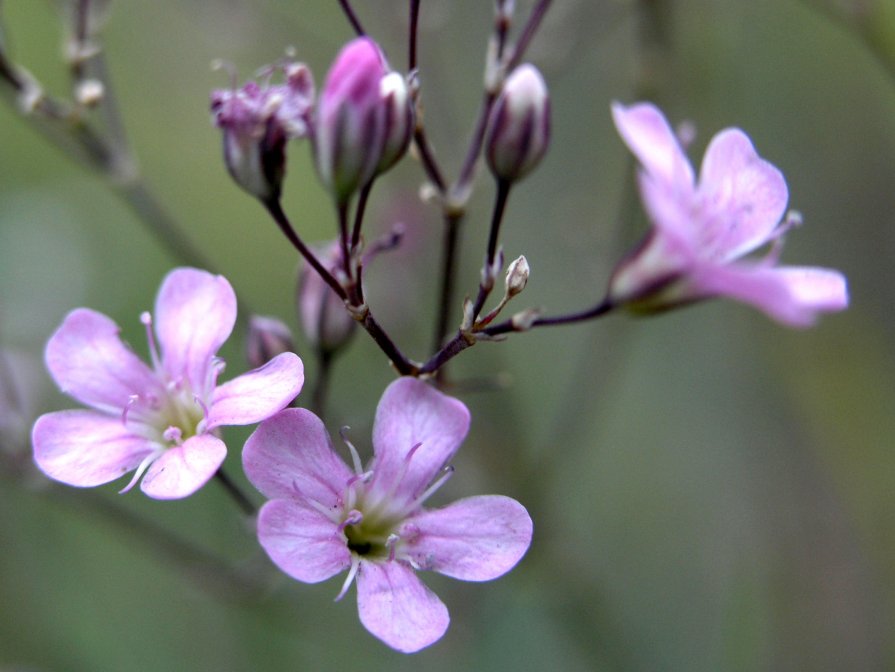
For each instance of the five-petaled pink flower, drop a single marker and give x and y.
(324, 517)
(702, 230)
(160, 419)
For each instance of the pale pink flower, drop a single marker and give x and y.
(325, 517)
(160, 419)
(702, 230)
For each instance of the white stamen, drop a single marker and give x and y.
(352, 572)
(447, 472)
(144, 465)
(132, 401)
(353, 518)
(146, 319)
(355, 458)
(390, 544)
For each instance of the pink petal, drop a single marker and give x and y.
(85, 448)
(744, 197)
(88, 361)
(474, 539)
(194, 315)
(646, 132)
(258, 394)
(301, 541)
(413, 413)
(290, 455)
(183, 469)
(670, 209)
(395, 606)
(791, 295)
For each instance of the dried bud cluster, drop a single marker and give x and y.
(257, 121)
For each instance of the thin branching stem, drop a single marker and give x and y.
(352, 18)
(500, 203)
(279, 216)
(412, 38)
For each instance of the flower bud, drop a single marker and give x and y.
(257, 120)
(267, 338)
(350, 120)
(325, 321)
(517, 276)
(519, 126)
(365, 119)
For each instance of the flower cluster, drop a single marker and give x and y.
(323, 517)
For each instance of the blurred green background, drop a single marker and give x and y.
(710, 491)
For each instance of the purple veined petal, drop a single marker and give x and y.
(473, 539)
(85, 448)
(410, 414)
(183, 469)
(89, 362)
(743, 195)
(194, 315)
(647, 134)
(395, 606)
(302, 541)
(290, 455)
(258, 394)
(790, 295)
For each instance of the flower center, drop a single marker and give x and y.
(370, 537)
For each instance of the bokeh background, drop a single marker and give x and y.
(710, 491)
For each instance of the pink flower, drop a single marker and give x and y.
(324, 517)
(161, 419)
(702, 230)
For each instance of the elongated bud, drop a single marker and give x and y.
(517, 276)
(257, 121)
(350, 123)
(326, 323)
(267, 338)
(519, 126)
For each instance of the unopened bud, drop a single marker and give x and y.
(267, 338)
(349, 135)
(324, 319)
(519, 126)
(517, 276)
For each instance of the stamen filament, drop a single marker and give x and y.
(146, 319)
(446, 474)
(352, 572)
